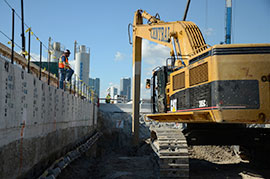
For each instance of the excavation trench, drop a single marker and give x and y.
(113, 156)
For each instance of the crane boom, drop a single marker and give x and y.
(184, 38)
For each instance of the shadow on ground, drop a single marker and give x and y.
(205, 169)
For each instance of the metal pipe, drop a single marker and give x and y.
(84, 90)
(181, 57)
(74, 85)
(86, 93)
(81, 88)
(22, 35)
(12, 40)
(228, 21)
(75, 46)
(174, 48)
(40, 58)
(151, 19)
(29, 47)
(186, 11)
(89, 94)
(49, 59)
(70, 85)
(58, 82)
(78, 86)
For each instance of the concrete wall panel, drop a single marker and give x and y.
(2, 96)
(18, 98)
(36, 120)
(58, 110)
(91, 108)
(37, 101)
(28, 107)
(10, 96)
(96, 115)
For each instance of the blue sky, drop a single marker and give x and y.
(102, 26)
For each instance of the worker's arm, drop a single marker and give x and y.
(67, 65)
(63, 60)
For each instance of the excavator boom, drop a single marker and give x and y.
(182, 37)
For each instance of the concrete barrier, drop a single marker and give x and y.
(116, 120)
(145, 108)
(37, 120)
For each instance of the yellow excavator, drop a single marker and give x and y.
(216, 92)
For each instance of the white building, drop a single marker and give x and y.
(57, 51)
(113, 91)
(82, 62)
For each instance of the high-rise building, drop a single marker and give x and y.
(94, 84)
(113, 91)
(125, 87)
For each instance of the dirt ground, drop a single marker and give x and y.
(116, 159)
(221, 162)
(126, 163)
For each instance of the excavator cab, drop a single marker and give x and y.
(159, 80)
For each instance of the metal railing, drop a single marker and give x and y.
(79, 88)
(76, 86)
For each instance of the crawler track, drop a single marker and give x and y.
(171, 149)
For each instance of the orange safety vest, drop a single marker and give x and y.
(61, 64)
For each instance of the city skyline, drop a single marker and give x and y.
(94, 83)
(125, 87)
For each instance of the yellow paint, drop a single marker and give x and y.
(219, 67)
(235, 67)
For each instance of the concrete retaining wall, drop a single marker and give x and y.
(117, 118)
(37, 120)
(145, 108)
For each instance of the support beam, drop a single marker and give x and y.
(186, 10)
(228, 21)
(12, 40)
(22, 35)
(49, 59)
(29, 54)
(137, 56)
(40, 59)
(137, 43)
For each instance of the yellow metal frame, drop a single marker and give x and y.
(179, 36)
(228, 67)
(185, 40)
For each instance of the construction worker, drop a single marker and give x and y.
(64, 68)
(108, 98)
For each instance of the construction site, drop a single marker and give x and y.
(207, 114)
